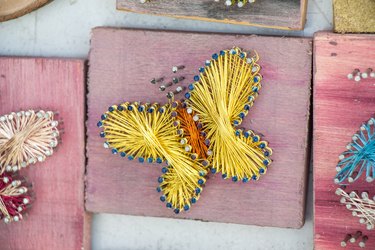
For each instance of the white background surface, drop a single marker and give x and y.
(62, 28)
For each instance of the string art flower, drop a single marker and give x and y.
(198, 135)
(359, 156)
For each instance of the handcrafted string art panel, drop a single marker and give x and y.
(31, 88)
(119, 74)
(239, 3)
(344, 142)
(220, 97)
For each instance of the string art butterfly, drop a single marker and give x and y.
(26, 137)
(196, 135)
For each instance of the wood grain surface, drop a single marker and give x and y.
(340, 107)
(122, 62)
(57, 219)
(279, 14)
(10, 9)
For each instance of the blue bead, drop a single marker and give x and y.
(162, 198)
(250, 98)
(161, 110)
(140, 108)
(215, 56)
(158, 189)
(202, 173)
(122, 154)
(99, 124)
(197, 190)
(266, 153)
(130, 157)
(233, 52)
(160, 179)
(130, 108)
(235, 123)
(201, 70)
(246, 134)
(238, 132)
(234, 178)
(265, 162)
(213, 170)
(255, 89)
(208, 63)
(102, 134)
(262, 145)
(186, 207)
(247, 107)
(261, 171)
(150, 160)
(224, 176)
(242, 55)
(191, 86)
(141, 159)
(177, 211)
(150, 110)
(222, 52)
(120, 108)
(164, 170)
(111, 109)
(169, 205)
(196, 78)
(114, 151)
(159, 160)
(245, 179)
(200, 182)
(193, 200)
(254, 177)
(187, 95)
(242, 115)
(255, 139)
(256, 79)
(104, 117)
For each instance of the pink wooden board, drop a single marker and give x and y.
(57, 219)
(122, 62)
(340, 107)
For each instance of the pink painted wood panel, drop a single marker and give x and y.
(277, 14)
(57, 219)
(340, 107)
(122, 62)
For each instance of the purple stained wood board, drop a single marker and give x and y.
(340, 108)
(122, 62)
(57, 219)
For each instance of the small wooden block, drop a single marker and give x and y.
(16, 8)
(57, 219)
(354, 16)
(277, 14)
(123, 61)
(340, 108)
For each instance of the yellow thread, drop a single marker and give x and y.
(141, 134)
(220, 95)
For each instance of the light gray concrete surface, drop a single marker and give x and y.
(62, 28)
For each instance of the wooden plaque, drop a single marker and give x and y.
(57, 219)
(277, 14)
(340, 108)
(122, 62)
(10, 9)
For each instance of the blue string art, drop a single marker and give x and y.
(359, 156)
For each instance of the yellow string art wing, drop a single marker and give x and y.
(151, 133)
(222, 95)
